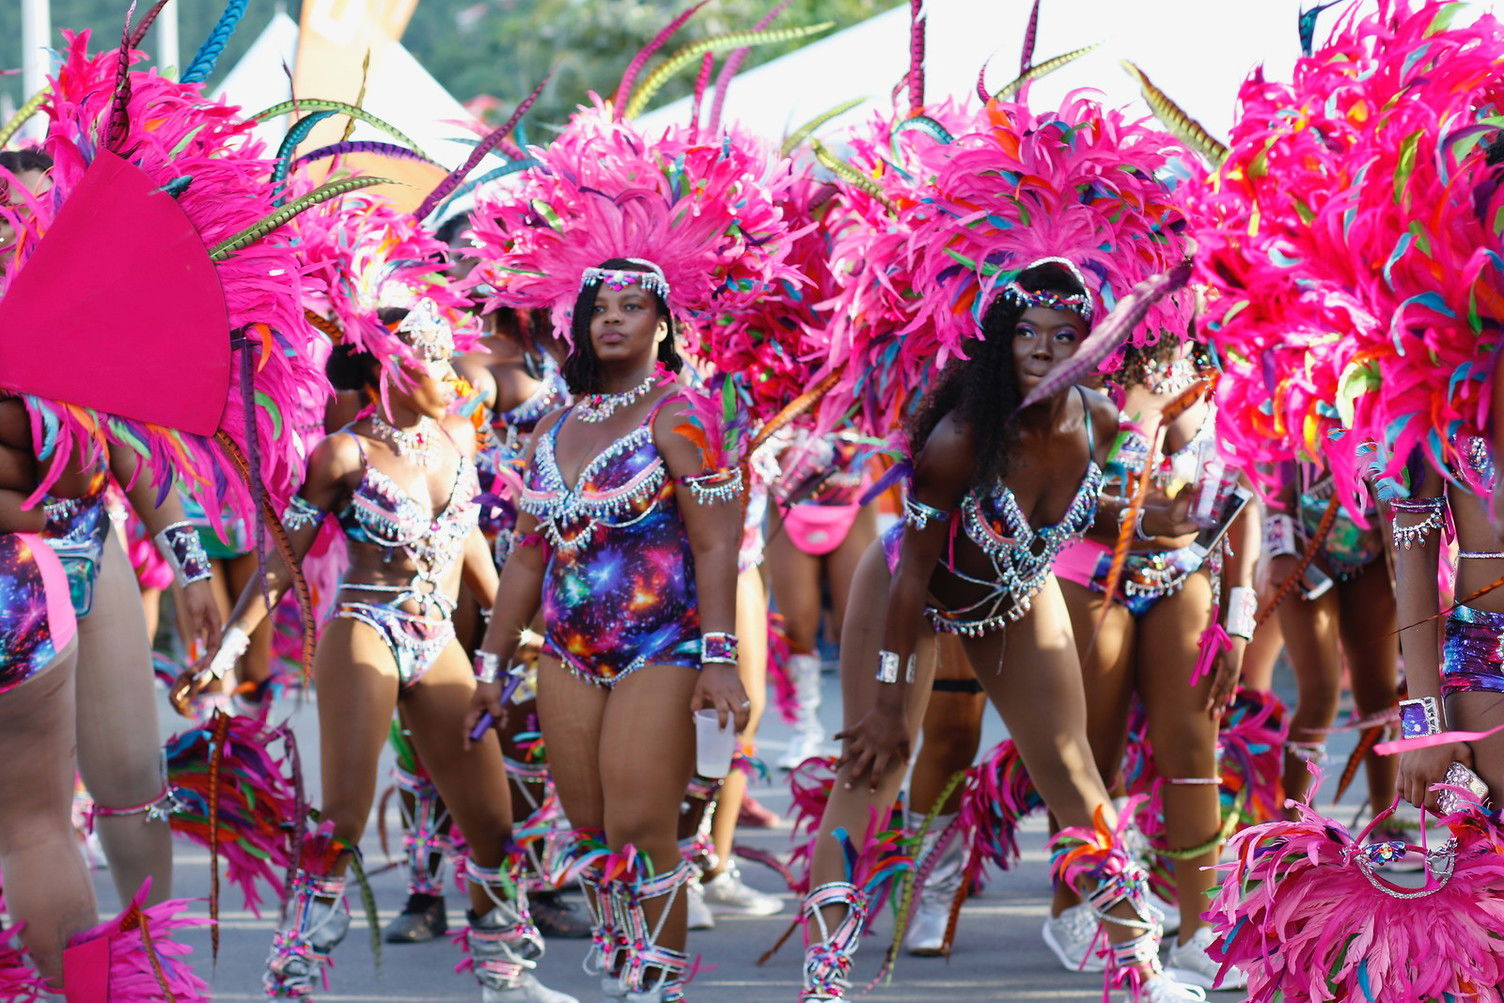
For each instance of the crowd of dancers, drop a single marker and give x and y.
(547, 479)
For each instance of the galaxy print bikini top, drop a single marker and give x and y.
(621, 485)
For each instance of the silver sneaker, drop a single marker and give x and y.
(1190, 962)
(1072, 935)
(726, 892)
(295, 967)
(926, 937)
(505, 947)
(697, 912)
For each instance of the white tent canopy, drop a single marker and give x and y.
(403, 93)
(1198, 52)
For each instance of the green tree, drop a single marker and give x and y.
(500, 48)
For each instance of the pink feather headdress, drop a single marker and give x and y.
(370, 256)
(201, 154)
(1350, 245)
(1081, 184)
(704, 211)
(888, 161)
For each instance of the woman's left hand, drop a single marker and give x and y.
(1226, 671)
(201, 614)
(720, 689)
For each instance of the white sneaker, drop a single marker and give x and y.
(802, 745)
(1189, 962)
(1168, 913)
(1072, 935)
(931, 916)
(1165, 988)
(697, 911)
(726, 892)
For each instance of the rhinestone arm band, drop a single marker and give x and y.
(719, 648)
(1242, 609)
(1420, 716)
(716, 486)
(1410, 537)
(487, 667)
(1279, 535)
(181, 548)
(300, 514)
(919, 515)
(887, 667)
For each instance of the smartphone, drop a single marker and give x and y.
(1228, 508)
(1315, 583)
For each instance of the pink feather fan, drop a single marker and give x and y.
(1350, 245)
(202, 155)
(704, 211)
(1307, 912)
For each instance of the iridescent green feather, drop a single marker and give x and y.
(284, 213)
(301, 105)
(716, 43)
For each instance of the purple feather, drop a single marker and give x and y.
(485, 146)
(640, 60)
(1115, 328)
(362, 146)
(1031, 34)
(733, 66)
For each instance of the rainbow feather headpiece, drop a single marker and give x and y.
(704, 211)
(1080, 184)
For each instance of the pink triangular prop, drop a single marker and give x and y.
(120, 309)
(86, 971)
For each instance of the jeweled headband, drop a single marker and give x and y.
(653, 280)
(1079, 304)
(427, 332)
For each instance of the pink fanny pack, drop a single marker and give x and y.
(819, 529)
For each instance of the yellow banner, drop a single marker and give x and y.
(334, 38)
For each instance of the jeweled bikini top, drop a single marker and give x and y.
(619, 486)
(384, 515)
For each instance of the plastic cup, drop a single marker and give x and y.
(1214, 485)
(713, 745)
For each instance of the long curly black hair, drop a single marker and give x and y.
(582, 369)
(982, 391)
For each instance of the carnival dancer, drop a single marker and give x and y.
(168, 399)
(1369, 346)
(630, 519)
(816, 535)
(119, 750)
(988, 502)
(1344, 616)
(1172, 635)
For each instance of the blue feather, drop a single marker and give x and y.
(203, 61)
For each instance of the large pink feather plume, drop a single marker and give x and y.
(1307, 912)
(1350, 243)
(1078, 183)
(18, 980)
(173, 132)
(144, 961)
(706, 212)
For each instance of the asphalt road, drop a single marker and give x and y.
(998, 955)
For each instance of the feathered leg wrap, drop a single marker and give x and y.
(644, 956)
(504, 945)
(1095, 862)
(133, 957)
(584, 859)
(316, 921)
(425, 837)
(827, 958)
